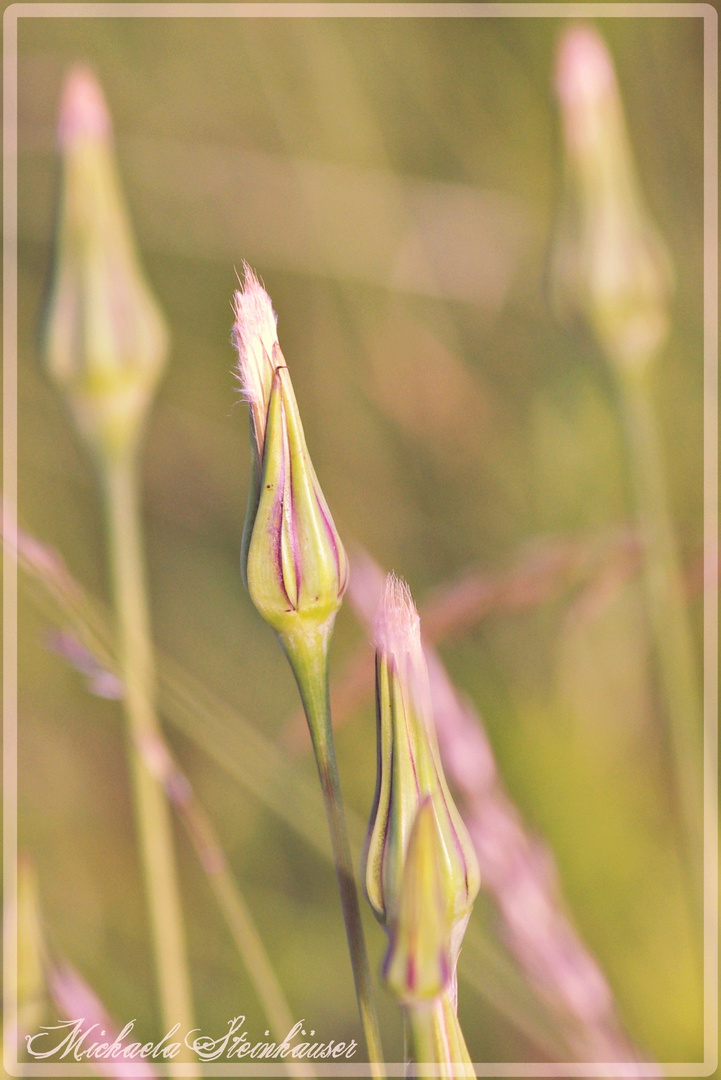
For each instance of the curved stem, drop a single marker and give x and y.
(309, 662)
(152, 815)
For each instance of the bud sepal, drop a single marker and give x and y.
(409, 773)
(296, 569)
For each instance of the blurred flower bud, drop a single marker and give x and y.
(609, 260)
(105, 339)
(293, 560)
(409, 774)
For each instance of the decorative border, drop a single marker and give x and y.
(10, 425)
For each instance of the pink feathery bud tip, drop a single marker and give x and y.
(397, 625)
(254, 336)
(584, 72)
(83, 112)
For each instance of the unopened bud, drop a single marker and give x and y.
(105, 339)
(293, 560)
(609, 260)
(417, 966)
(409, 775)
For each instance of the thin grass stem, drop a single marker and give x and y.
(668, 614)
(233, 907)
(152, 815)
(224, 736)
(312, 677)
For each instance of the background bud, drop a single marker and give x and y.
(105, 339)
(609, 260)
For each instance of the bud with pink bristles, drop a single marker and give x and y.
(293, 561)
(296, 571)
(256, 339)
(419, 867)
(409, 775)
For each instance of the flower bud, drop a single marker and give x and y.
(105, 339)
(409, 774)
(294, 563)
(417, 966)
(609, 260)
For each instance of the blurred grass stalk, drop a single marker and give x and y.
(611, 263)
(106, 345)
(45, 980)
(252, 760)
(90, 649)
(228, 895)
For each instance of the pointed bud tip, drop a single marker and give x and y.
(584, 72)
(254, 335)
(83, 112)
(397, 625)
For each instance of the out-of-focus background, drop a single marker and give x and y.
(396, 183)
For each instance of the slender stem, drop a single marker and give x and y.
(435, 1037)
(247, 940)
(231, 902)
(152, 815)
(668, 613)
(309, 662)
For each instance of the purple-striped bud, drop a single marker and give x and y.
(417, 966)
(293, 561)
(410, 775)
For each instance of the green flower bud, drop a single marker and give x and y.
(609, 260)
(105, 339)
(409, 773)
(293, 560)
(417, 966)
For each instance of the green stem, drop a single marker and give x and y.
(152, 815)
(309, 662)
(250, 947)
(434, 1036)
(668, 613)
(235, 910)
